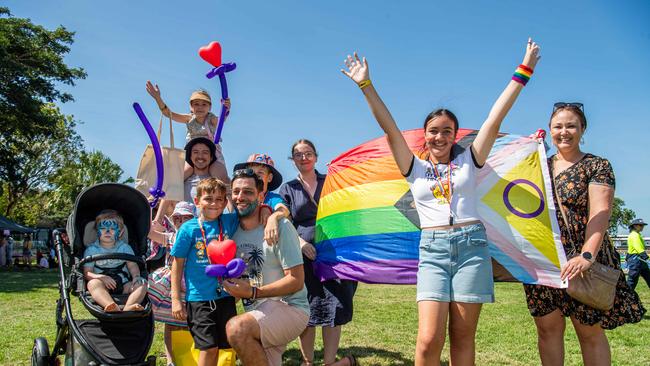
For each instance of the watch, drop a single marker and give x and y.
(587, 256)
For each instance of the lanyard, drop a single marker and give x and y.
(205, 241)
(205, 247)
(448, 194)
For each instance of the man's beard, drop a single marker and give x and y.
(248, 210)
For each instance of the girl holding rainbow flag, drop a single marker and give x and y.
(455, 271)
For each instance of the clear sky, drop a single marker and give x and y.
(422, 55)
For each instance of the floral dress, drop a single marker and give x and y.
(572, 188)
(160, 282)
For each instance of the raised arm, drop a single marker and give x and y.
(158, 233)
(357, 70)
(490, 128)
(154, 91)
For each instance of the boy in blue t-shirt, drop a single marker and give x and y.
(209, 307)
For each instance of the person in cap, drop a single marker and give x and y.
(199, 154)
(200, 122)
(264, 167)
(637, 258)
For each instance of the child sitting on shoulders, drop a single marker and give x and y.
(111, 276)
(200, 122)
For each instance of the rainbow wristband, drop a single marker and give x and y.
(522, 74)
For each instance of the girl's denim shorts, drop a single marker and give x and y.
(455, 265)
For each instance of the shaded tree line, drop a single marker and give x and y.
(43, 163)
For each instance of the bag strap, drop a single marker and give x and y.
(304, 186)
(171, 130)
(559, 203)
(159, 127)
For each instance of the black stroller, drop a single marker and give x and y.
(120, 338)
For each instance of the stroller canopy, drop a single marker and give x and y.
(127, 201)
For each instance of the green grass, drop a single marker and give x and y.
(383, 331)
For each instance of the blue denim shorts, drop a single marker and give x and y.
(455, 265)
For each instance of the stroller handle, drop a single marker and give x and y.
(121, 256)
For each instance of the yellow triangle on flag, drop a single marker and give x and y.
(520, 199)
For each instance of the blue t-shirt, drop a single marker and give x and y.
(190, 246)
(273, 200)
(96, 248)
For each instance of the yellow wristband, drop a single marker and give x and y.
(365, 83)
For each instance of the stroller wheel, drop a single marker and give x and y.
(40, 352)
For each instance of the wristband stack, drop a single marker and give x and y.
(522, 74)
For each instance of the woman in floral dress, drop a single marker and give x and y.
(585, 186)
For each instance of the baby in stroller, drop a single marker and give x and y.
(111, 276)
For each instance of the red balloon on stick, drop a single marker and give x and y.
(221, 252)
(211, 53)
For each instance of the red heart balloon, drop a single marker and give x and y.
(211, 53)
(221, 252)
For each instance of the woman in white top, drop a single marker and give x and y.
(455, 272)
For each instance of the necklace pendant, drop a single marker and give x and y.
(451, 220)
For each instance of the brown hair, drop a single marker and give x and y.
(575, 110)
(306, 142)
(210, 185)
(434, 114)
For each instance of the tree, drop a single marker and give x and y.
(621, 216)
(50, 204)
(31, 66)
(88, 169)
(30, 162)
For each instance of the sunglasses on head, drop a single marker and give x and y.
(560, 105)
(248, 172)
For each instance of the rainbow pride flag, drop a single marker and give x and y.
(367, 228)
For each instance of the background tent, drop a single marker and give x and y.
(6, 224)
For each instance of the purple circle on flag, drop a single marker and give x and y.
(509, 206)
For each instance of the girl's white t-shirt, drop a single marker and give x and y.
(429, 195)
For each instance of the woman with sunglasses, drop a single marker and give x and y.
(454, 271)
(584, 190)
(330, 302)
